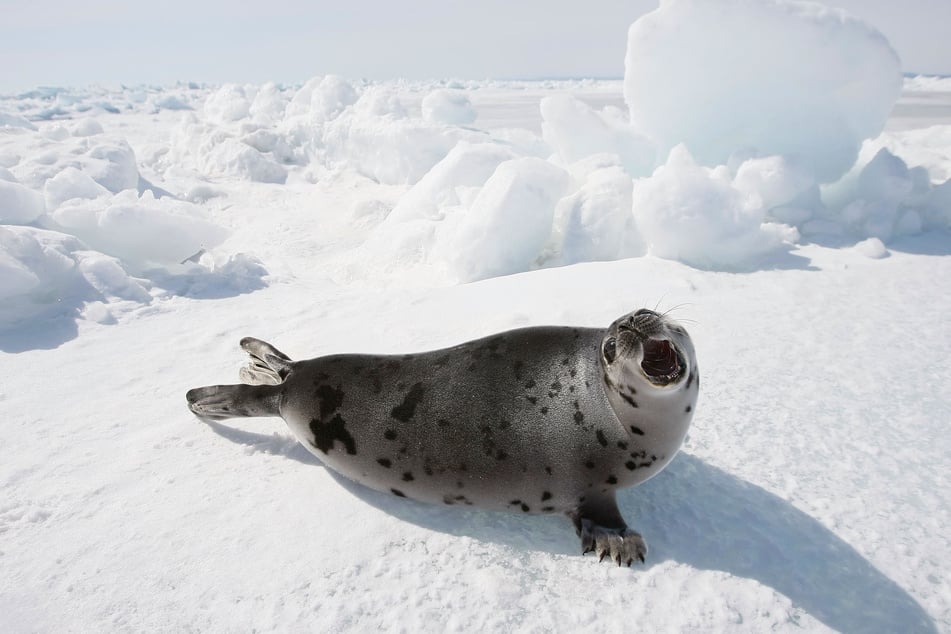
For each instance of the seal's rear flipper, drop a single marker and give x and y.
(218, 402)
(268, 366)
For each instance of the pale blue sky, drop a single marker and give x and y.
(59, 42)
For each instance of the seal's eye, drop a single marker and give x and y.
(610, 349)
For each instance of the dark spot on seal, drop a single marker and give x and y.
(408, 476)
(601, 438)
(389, 434)
(326, 434)
(571, 388)
(501, 455)
(589, 464)
(504, 424)
(529, 384)
(384, 462)
(428, 470)
(525, 508)
(548, 509)
(579, 418)
(463, 467)
(546, 496)
(398, 493)
(621, 444)
(572, 373)
(442, 422)
(548, 470)
(532, 399)
(687, 411)
(637, 430)
(404, 450)
(631, 465)
(564, 361)
(611, 480)
(517, 368)
(544, 410)
(329, 399)
(627, 399)
(515, 502)
(405, 410)
(576, 404)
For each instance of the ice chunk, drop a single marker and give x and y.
(694, 214)
(596, 223)
(71, 183)
(881, 198)
(509, 222)
(86, 127)
(140, 231)
(448, 106)
(19, 205)
(228, 103)
(767, 77)
(872, 248)
(575, 131)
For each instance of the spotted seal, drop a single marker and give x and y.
(534, 420)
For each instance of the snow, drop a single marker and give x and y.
(145, 230)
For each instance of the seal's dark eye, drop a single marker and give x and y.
(610, 349)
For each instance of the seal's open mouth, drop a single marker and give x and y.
(661, 363)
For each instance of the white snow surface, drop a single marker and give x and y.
(145, 230)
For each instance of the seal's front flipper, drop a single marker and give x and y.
(218, 402)
(603, 531)
(268, 366)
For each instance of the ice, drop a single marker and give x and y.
(142, 231)
(518, 202)
(576, 131)
(596, 221)
(227, 104)
(882, 198)
(697, 215)
(448, 106)
(71, 183)
(19, 205)
(774, 77)
(827, 360)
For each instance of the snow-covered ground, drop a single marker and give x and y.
(145, 230)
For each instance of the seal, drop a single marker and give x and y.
(534, 420)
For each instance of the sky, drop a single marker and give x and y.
(108, 42)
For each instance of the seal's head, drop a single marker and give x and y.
(646, 351)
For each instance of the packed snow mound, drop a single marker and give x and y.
(767, 77)
(508, 223)
(46, 273)
(881, 197)
(448, 106)
(19, 205)
(595, 223)
(575, 131)
(142, 231)
(697, 215)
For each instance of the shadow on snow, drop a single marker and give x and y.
(695, 514)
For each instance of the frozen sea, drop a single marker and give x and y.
(795, 219)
